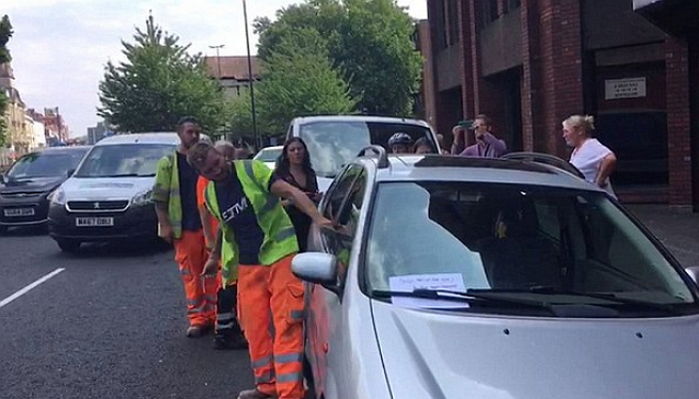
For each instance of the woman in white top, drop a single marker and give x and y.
(591, 157)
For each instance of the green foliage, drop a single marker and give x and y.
(368, 41)
(297, 79)
(5, 35)
(157, 84)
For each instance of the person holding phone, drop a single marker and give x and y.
(294, 167)
(487, 145)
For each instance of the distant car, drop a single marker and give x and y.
(451, 277)
(109, 196)
(334, 141)
(269, 155)
(26, 185)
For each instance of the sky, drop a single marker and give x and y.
(59, 47)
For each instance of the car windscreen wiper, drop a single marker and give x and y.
(468, 296)
(129, 175)
(609, 299)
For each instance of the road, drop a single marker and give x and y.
(111, 325)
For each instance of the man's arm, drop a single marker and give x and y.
(206, 219)
(161, 197)
(459, 144)
(282, 189)
(499, 147)
(211, 266)
(605, 169)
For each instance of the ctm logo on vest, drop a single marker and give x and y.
(235, 210)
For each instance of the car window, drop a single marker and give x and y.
(268, 154)
(332, 145)
(512, 237)
(346, 215)
(139, 160)
(339, 192)
(45, 164)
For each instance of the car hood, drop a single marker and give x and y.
(30, 185)
(106, 188)
(324, 184)
(433, 354)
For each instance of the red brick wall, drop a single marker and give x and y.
(678, 121)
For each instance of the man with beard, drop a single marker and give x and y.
(175, 198)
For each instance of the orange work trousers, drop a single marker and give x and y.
(201, 291)
(271, 300)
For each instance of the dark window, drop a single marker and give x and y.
(489, 11)
(344, 207)
(452, 22)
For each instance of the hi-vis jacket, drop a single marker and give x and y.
(167, 190)
(279, 235)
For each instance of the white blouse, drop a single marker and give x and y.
(588, 159)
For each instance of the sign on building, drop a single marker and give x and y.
(624, 88)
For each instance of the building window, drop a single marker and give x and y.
(452, 22)
(488, 11)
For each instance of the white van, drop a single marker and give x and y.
(109, 196)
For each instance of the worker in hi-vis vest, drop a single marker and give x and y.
(175, 198)
(245, 197)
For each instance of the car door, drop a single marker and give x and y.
(324, 331)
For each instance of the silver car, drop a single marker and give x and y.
(451, 277)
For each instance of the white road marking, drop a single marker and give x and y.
(29, 287)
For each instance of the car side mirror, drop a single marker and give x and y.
(315, 267)
(70, 172)
(3, 179)
(693, 272)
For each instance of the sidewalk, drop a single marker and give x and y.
(678, 230)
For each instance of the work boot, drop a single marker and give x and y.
(230, 340)
(254, 394)
(197, 330)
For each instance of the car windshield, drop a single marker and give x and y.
(508, 238)
(331, 145)
(44, 164)
(268, 154)
(123, 160)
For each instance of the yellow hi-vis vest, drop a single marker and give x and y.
(279, 235)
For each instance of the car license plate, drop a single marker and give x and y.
(94, 222)
(19, 212)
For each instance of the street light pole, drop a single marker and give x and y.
(252, 89)
(218, 59)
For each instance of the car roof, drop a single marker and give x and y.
(359, 118)
(272, 148)
(478, 170)
(141, 138)
(54, 150)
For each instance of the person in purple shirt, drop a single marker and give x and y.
(487, 145)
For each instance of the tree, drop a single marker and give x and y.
(157, 84)
(369, 41)
(5, 35)
(297, 79)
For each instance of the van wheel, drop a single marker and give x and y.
(70, 246)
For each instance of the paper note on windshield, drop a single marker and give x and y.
(439, 281)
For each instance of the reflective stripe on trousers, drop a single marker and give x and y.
(276, 358)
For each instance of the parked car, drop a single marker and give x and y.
(451, 277)
(109, 196)
(269, 155)
(26, 185)
(334, 141)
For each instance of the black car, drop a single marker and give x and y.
(26, 185)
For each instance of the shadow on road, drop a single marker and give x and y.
(119, 249)
(30, 231)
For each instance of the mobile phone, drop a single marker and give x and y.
(466, 124)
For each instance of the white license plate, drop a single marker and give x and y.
(19, 212)
(94, 222)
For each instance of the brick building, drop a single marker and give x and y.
(232, 73)
(529, 64)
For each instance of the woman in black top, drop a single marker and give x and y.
(294, 166)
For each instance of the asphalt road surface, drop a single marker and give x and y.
(110, 325)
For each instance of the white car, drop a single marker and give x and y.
(334, 141)
(269, 155)
(109, 196)
(452, 277)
